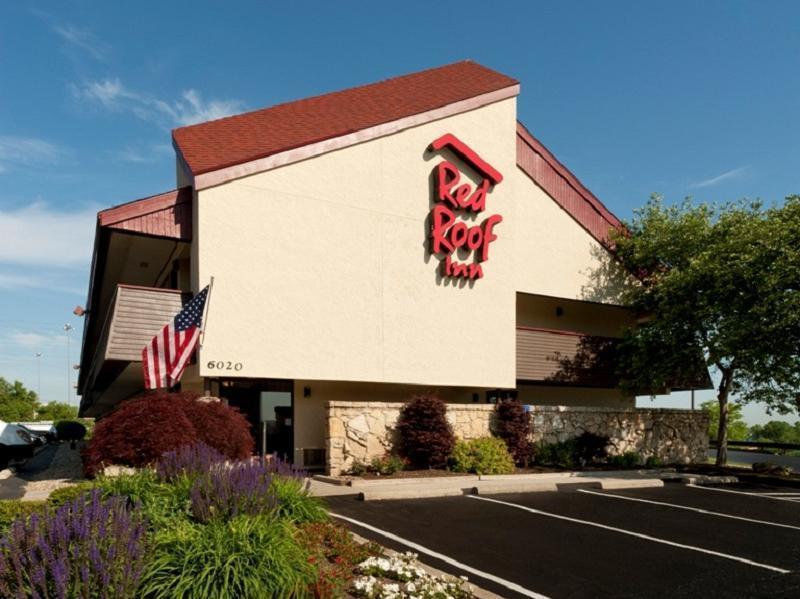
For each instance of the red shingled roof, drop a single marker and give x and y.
(238, 139)
(564, 187)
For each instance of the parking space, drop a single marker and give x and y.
(731, 541)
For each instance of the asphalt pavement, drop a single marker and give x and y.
(677, 541)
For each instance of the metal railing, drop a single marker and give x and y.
(756, 445)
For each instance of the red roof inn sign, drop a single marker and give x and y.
(454, 199)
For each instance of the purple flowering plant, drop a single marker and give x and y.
(188, 461)
(87, 548)
(228, 490)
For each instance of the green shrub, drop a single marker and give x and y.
(70, 430)
(14, 509)
(65, 494)
(387, 465)
(629, 459)
(653, 462)
(295, 501)
(358, 469)
(563, 454)
(487, 455)
(591, 448)
(247, 556)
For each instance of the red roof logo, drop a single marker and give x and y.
(451, 235)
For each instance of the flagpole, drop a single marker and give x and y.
(205, 313)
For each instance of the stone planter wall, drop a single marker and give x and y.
(673, 436)
(360, 431)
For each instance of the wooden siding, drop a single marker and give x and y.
(165, 215)
(563, 357)
(138, 314)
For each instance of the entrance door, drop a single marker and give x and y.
(268, 407)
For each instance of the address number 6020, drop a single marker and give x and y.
(221, 365)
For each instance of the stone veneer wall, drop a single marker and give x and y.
(358, 431)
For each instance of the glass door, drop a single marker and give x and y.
(268, 407)
(276, 424)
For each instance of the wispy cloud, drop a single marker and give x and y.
(82, 39)
(143, 154)
(76, 37)
(23, 151)
(191, 108)
(38, 235)
(726, 176)
(13, 281)
(31, 340)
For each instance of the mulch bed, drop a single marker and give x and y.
(445, 473)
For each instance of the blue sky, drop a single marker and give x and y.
(680, 98)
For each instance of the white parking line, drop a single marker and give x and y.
(794, 494)
(635, 534)
(743, 493)
(686, 507)
(449, 560)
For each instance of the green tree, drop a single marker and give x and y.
(57, 410)
(718, 283)
(737, 427)
(16, 402)
(776, 431)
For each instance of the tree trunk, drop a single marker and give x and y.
(722, 432)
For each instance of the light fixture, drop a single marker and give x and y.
(306, 391)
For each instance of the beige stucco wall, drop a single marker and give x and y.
(583, 317)
(322, 272)
(321, 268)
(554, 255)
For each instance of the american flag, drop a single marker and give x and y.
(164, 358)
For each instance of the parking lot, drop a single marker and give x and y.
(677, 541)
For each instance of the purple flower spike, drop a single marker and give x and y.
(86, 548)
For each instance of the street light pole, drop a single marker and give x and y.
(67, 329)
(39, 374)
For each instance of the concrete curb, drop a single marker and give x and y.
(388, 493)
(434, 481)
(631, 483)
(499, 487)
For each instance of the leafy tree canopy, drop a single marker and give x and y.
(57, 410)
(16, 402)
(737, 427)
(776, 431)
(717, 283)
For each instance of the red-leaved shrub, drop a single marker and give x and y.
(513, 425)
(220, 426)
(142, 429)
(425, 437)
(139, 431)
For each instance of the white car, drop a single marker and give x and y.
(45, 429)
(17, 443)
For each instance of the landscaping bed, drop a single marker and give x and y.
(192, 515)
